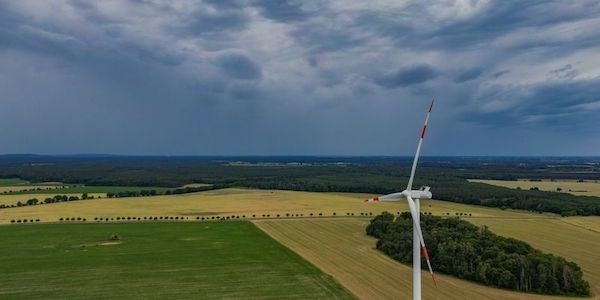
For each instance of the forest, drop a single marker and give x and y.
(461, 249)
(375, 175)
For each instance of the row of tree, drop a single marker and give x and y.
(24, 220)
(122, 194)
(462, 249)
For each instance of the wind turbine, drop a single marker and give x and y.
(413, 197)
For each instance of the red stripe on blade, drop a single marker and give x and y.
(431, 105)
(423, 132)
(433, 278)
(425, 254)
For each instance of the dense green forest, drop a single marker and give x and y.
(375, 175)
(462, 249)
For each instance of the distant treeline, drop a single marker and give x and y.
(462, 249)
(375, 175)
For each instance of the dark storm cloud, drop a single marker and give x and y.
(565, 72)
(468, 75)
(500, 73)
(239, 66)
(407, 76)
(281, 10)
(227, 18)
(553, 104)
(495, 20)
(297, 77)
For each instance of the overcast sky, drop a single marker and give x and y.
(265, 77)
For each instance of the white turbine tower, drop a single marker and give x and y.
(413, 197)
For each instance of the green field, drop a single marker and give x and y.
(12, 181)
(155, 261)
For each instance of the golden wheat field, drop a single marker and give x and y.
(587, 188)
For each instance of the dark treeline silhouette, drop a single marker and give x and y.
(376, 175)
(462, 249)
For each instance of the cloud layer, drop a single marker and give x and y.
(299, 77)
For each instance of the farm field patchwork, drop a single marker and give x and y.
(341, 248)
(248, 202)
(341, 242)
(587, 188)
(213, 260)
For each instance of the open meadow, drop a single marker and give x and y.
(586, 188)
(155, 261)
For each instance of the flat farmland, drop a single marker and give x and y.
(587, 188)
(216, 260)
(341, 248)
(248, 202)
(338, 245)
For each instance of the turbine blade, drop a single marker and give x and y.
(413, 212)
(416, 159)
(386, 198)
